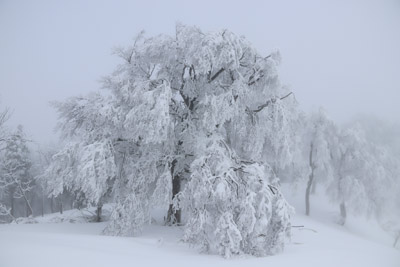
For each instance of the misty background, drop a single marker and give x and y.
(342, 55)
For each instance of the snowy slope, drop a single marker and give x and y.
(320, 242)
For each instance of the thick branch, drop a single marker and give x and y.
(273, 100)
(254, 81)
(216, 75)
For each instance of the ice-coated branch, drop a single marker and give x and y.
(270, 101)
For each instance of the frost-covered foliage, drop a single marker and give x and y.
(360, 177)
(321, 132)
(187, 119)
(318, 136)
(357, 174)
(15, 176)
(233, 206)
(384, 140)
(4, 133)
(87, 169)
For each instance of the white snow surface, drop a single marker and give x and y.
(69, 240)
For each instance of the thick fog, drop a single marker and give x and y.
(243, 129)
(342, 55)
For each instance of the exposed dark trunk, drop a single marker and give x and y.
(310, 181)
(343, 213)
(98, 212)
(174, 216)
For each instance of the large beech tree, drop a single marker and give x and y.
(196, 122)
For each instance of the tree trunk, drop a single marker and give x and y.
(313, 188)
(397, 239)
(52, 204)
(343, 213)
(23, 193)
(12, 211)
(308, 190)
(174, 216)
(43, 198)
(98, 212)
(29, 210)
(72, 202)
(310, 182)
(61, 204)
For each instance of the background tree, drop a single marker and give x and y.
(85, 170)
(41, 161)
(318, 141)
(4, 134)
(359, 174)
(16, 177)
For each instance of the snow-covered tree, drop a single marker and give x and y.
(384, 140)
(195, 112)
(359, 173)
(86, 170)
(318, 139)
(4, 134)
(15, 176)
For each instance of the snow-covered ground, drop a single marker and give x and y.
(69, 241)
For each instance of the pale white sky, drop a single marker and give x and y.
(342, 55)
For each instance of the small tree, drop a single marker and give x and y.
(359, 176)
(318, 139)
(86, 170)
